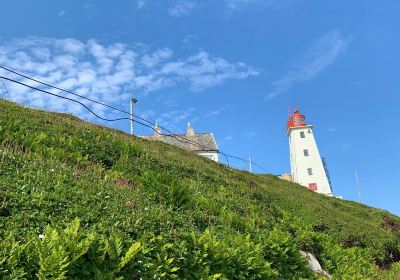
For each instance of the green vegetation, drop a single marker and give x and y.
(110, 206)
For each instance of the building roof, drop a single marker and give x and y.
(199, 142)
(205, 140)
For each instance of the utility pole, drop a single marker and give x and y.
(250, 165)
(358, 186)
(131, 102)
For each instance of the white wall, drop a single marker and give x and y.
(210, 155)
(299, 163)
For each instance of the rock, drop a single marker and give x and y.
(314, 264)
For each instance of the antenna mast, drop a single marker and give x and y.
(358, 185)
(250, 165)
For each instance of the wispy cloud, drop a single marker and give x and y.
(141, 3)
(317, 58)
(228, 138)
(201, 116)
(109, 72)
(168, 100)
(183, 8)
(272, 5)
(62, 13)
(214, 113)
(174, 119)
(189, 39)
(346, 146)
(202, 71)
(87, 6)
(251, 134)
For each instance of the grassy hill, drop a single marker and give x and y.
(81, 201)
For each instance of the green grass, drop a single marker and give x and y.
(55, 168)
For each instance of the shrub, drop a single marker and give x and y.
(282, 251)
(350, 263)
(165, 189)
(393, 273)
(203, 256)
(65, 254)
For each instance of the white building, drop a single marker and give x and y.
(307, 166)
(203, 144)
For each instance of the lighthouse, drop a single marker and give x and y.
(307, 167)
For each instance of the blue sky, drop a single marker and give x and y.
(232, 67)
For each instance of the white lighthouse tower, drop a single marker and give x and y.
(307, 166)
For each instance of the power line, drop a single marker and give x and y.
(100, 103)
(82, 104)
(117, 109)
(119, 119)
(76, 94)
(173, 135)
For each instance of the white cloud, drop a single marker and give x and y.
(182, 8)
(109, 73)
(317, 58)
(151, 60)
(70, 45)
(141, 3)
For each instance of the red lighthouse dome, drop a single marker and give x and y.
(296, 120)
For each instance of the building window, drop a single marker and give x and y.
(313, 187)
(309, 170)
(302, 135)
(306, 154)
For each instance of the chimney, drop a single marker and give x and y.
(190, 130)
(158, 130)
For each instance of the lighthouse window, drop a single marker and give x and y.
(310, 171)
(302, 135)
(306, 154)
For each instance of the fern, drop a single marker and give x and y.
(130, 254)
(53, 258)
(113, 248)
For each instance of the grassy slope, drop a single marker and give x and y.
(55, 167)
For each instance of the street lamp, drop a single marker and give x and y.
(131, 102)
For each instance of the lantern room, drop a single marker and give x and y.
(296, 120)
